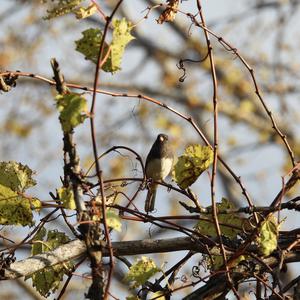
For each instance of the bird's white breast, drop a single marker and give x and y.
(159, 169)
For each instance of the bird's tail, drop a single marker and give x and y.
(150, 200)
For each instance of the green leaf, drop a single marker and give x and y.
(16, 176)
(268, 236)
(141, 271)
(15, 209)
(61, 8)
(46, 241)
(48, 280)
(38, 248)
(73, 109)
(113, 220)
(66, 195)
(191, 164)
(234, 221)
(121, 37)
(215, 261)
(89, 45)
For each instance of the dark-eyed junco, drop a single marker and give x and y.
(159, 163)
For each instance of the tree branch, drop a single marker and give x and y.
(77, 248)
(217, 285)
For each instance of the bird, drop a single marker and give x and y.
(159, 164)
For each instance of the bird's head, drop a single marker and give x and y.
(162, 138)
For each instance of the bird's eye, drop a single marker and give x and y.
(161, 138)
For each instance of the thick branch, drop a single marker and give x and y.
(71, 250)
(77, 248)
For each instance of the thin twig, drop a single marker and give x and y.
(95, 151)
(215, 147)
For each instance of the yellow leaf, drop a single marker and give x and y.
(141, 271)
(16, 176)
(236, 261)
(67, 197)
(113, 220)
(158, 296)
(191, 164)
(16, 209)
(61, 8)
(230, 224)
(84, 12)
(89, 44)
(73, 110)
(132, 298)
(268, 235)
(121, 37)
(49, 279)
